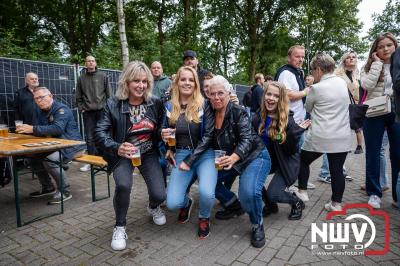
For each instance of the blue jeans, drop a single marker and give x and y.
(251, 183)
(324, 171)
(383, 178)
(374, 128)
(179, 181)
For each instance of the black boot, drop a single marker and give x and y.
(297, 210)
(270, 207)
(230, 211)
(258, 236)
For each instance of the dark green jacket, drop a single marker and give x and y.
(92, 91)
(161, 85)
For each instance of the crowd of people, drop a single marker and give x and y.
(194, 126)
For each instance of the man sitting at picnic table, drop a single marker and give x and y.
(52, 119)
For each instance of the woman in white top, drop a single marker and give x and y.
(376, 80)
(330, 133)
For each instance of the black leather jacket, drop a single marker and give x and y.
(205, 136)
(113, 126)
(285, 156)
(238, 136)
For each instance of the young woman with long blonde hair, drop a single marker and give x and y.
(190, 118)
(281, 135)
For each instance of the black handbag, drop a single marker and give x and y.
(356, 113)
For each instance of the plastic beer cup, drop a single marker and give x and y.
(135, 158)
(218, 155)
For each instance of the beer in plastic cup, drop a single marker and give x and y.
(135, 158)
(3, 130)
(218, 155)
(172, 139)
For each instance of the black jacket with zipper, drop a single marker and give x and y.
(112, 129)
(238, 136)
(285, 156)
(205, 135)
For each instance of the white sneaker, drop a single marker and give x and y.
(119, 237)
(292, 189)
(85, 168)
(374, 201)
(158, 215)
(310, 185)
(330, 207)
(302, 195)
(348, 178)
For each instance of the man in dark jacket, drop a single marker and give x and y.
(190, 59)
(161, 82)
(257, 92)
(56, 120)
(92, 91)
(24, 105)
(395, 72)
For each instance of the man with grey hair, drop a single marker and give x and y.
(92, 91)
(24, 105)
(52, 119)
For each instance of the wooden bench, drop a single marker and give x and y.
(97, 164)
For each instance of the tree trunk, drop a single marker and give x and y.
(161, 35)
(122, 33)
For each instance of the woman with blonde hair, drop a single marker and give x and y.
(376, 80)
(281, 135)
(190, 122)
(131, 124)
(348, 71)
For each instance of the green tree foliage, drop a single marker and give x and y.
(389, 20)
(235, 38)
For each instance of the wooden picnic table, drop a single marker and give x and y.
(26, 145)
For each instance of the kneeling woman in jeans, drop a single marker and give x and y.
(132, 121)
(246, 156)
(281, 136)
(190, 118)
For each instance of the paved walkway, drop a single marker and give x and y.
(81, 236)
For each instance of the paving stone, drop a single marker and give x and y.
(267, 254)
(248, 255)
(285, 252)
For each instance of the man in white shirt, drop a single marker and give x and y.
(292, 76)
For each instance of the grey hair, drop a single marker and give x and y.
(220, 80)
(130, 73)
(324, 62)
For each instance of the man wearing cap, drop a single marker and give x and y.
(190, 59)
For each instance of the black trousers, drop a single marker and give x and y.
(335, 160)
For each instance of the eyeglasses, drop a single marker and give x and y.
(220, 94)
(40, 98)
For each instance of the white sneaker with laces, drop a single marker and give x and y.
(348, 178)
(85, 168)
(330, 207)
(374, 201)
(310, 185)
(302, 195)
(119, 237)
(158, 215)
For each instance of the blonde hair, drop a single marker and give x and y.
(194, 105)
(297, 46)
(342, 68)
(279, 122)
(130, 73)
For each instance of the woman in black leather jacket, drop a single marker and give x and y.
(191, 119)
(281, 135)
(131, 121)
(246, 156)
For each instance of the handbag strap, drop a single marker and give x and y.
(351, 97)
